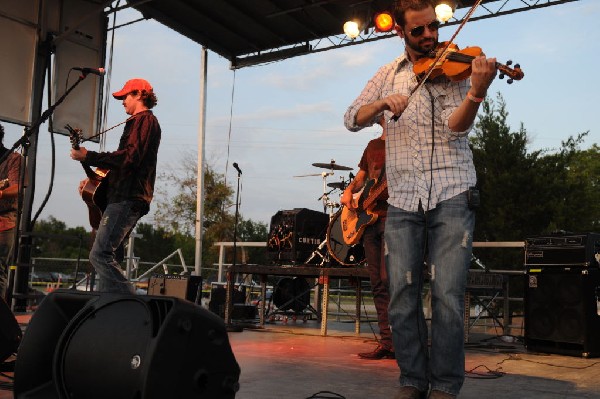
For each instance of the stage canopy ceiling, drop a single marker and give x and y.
(250, 32)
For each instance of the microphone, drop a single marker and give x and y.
(95, 71)
(235, 165)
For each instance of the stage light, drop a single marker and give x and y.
(351, 29)
(384, 22)
(445, 9)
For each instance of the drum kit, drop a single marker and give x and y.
(337, 251)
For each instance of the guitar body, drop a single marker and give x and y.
(355, 221)
(94, 195)
(95, 191)
(354, 224)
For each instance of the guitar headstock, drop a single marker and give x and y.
(75, 136)
(513, 73)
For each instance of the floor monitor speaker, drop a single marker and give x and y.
(100, 345)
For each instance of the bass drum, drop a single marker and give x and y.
(342, 253)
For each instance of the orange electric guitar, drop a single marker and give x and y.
(95, 190)
(355, 221)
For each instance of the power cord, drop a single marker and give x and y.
(326, 395)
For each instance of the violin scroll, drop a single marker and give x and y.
(514, 73)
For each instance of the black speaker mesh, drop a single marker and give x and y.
(91, 345)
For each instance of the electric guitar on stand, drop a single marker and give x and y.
(355, 221)
(95, 190)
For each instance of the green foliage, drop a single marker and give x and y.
(526, 194)
(53, 239)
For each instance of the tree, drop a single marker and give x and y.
(527, 194)
(176, 213)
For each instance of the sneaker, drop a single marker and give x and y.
(379, 353)
(435, 394)
(410, 392)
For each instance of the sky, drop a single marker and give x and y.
(276, 120)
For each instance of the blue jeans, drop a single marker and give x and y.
(448, 230)
(118, 220)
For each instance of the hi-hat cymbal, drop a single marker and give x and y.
(341, 185)
(331, 165)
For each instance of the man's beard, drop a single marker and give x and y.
(422, 49)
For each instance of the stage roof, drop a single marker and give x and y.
(250, 32)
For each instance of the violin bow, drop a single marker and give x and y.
(440, 55)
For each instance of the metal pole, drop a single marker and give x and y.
(200, 177)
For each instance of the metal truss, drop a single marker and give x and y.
(490, 9)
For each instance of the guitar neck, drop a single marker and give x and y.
(374, 195)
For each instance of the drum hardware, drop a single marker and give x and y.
(333, 250)
(342, 253)
(338, 185)
(331, 165)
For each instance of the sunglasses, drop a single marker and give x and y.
(419, 30)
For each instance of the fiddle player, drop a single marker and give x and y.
(429, 169)
(131, 175)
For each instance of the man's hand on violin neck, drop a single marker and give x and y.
(483, 72)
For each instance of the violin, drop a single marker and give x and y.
(455, 64)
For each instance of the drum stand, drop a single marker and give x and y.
(327, 205)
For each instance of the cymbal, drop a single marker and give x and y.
(331, 165)
(341, 185)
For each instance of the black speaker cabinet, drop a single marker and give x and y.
(295, 234)
(100, 345)
(184, 287)
(562, 311)
(563, 250)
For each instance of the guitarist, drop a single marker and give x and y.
(9, 191)
(371, 166)
(132, 172)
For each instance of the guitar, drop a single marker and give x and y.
(95, 190)
(355, 221)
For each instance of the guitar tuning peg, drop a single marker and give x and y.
(509, 62)
(501, 76)
(518, 66)
(509, 81)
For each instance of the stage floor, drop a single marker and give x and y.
(292, 360)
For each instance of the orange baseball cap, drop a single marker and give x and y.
(132, 85)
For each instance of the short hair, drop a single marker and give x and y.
(404, 5)
(148, 98)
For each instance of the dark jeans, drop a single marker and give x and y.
(373, 243)
(7, 239)
(118, 220)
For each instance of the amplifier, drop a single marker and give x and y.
(295, 234)
(563, 250)
(183, 287)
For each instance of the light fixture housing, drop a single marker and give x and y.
(383, 21)
(351, 29)
(444, 10)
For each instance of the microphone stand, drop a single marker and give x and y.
(237, 209)
(229, 294)
(25, 143)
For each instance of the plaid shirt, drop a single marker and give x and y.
(413, 167)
